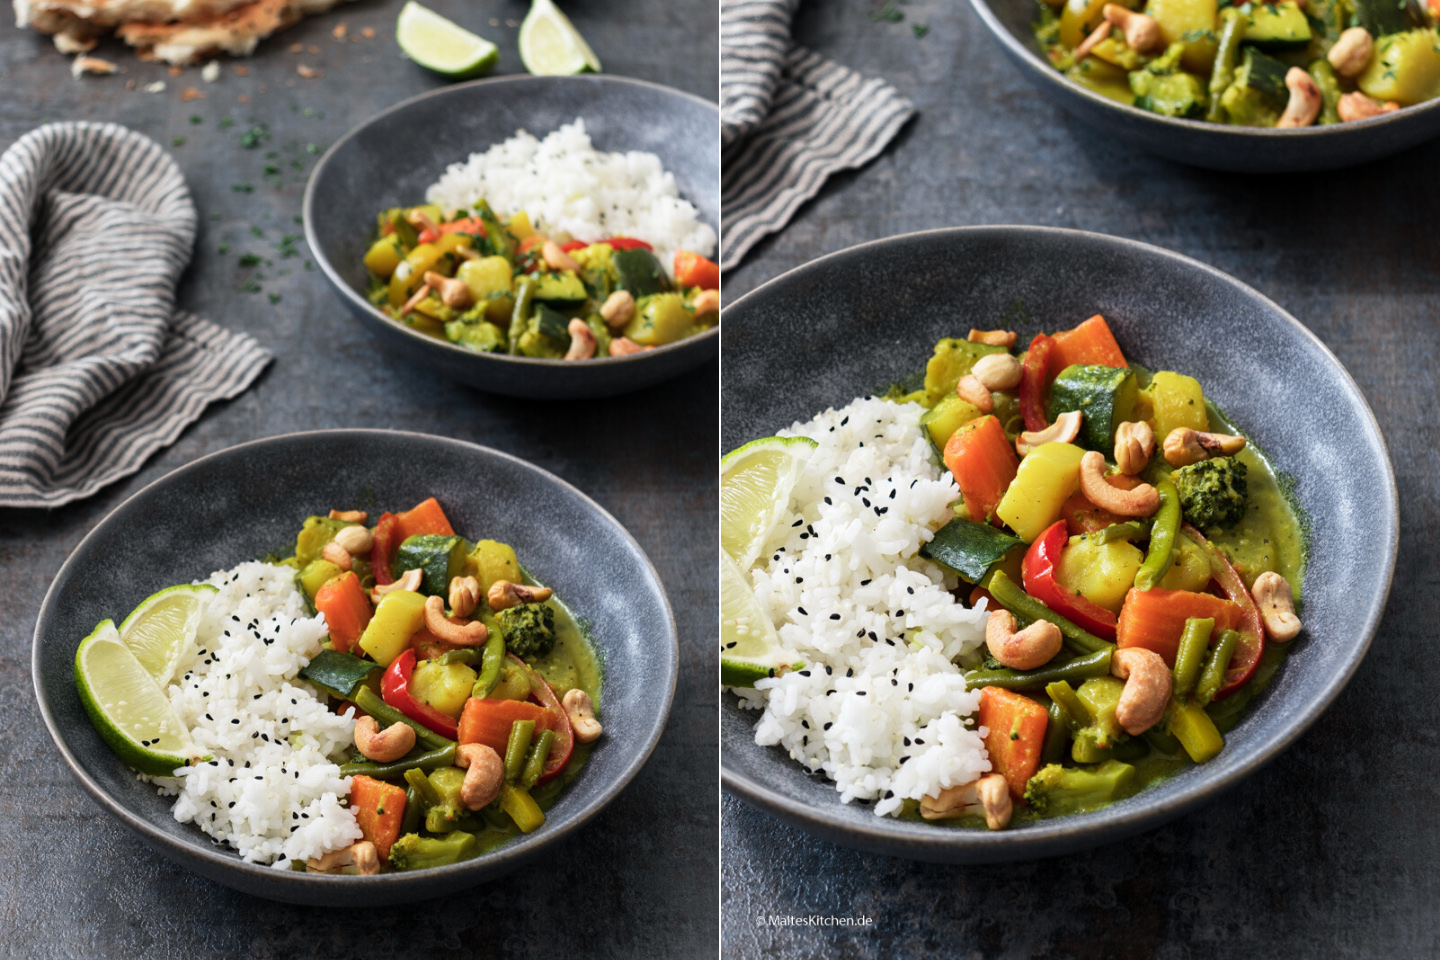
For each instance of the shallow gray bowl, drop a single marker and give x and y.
(390, 159)
(1212, 145)
(855, 321)
(241, 503)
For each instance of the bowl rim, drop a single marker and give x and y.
(418, 339)
(1066, 834)
(223, 860)
(1063, 85)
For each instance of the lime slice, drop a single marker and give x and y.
(550, 46)
(749, 646)
(127, 706)
(442, 45)
(159, 631)
(755, 485)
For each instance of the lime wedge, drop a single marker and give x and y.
(755, 485)
(159, 631)
(749, 646)
(550, 46)
(442, 45)
(127, 706)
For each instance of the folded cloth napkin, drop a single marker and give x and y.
(97, 368)
(789, 119)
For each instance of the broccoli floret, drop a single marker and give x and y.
(1212, 492)
(414, 852)
(441, 817)
(1055, 790)
(529, 630)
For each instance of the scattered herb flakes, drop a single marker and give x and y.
(215, 216)
(309, 266)
(274, 297)
(224, 248)
(249, 286)
(286, 247)
(177, 142)
(309, 111)
(271, 170)
(250, 260)
(196, 119)
(256, 135)
(242, 187)
(888, 14)
(257, 232)
(227, 122)
(299, 219)
(920, 29)
(311, 148)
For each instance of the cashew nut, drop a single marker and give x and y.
(581, 711)
(1351, 53)
(1142, 33)
(989, 796)
(1142, 501)
(557, 259)
(624, 347)
(420, 220)
(452, 292)
(1184, 446)
(464, 596)
(706, 302)
(1147, 688)
(484, 773)
(997, 371)
(1357, 106)
(1101, 32)
(383, 746)
(1305, 100)
(503, 595)
(1065, 428)
(415, 299)
(409, 582)
(582, 340)
(1134, 446)
(452, 629)
(995, 338)
(359, 858)
(1025, 649)
(972, 391)
(355, 541)
(617, 309)
(1277, 606)
(337, 555)
(350, 516)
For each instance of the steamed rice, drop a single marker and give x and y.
(566, 186)
(273, 791)
(881, 705)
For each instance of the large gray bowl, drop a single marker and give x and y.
(856, 320)
(390, 159)
(1213, 145)
(239, 504)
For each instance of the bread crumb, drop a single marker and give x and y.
(211, 73)
(309, 73)
(339, 32)
(84, 65)
(190, 93)
(157, 87)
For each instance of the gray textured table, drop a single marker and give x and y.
(641, 879)
(1329, 851)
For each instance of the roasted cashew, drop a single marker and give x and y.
(706, 302)
(484, 773)
(420, 220)
(1352, 51)
(995, 338)
(1184, 446)
(415, 299)
(1142, 501)
(337, 555)
(383, 746)
(1142, 33)
(557, 259)
(350, 516)
(1017, 649)
(452, 292)
(581, 711)
(624, 347)
(1101, 32)
(582, 340)
(1357, 106)
(1277, 606)
(1305, 100)
(359, 858)
(464, 596)
(503, 595)
(997, 371)
(470, 634)
(989, 796)
(617, 309)
(1134, 446)
(972, 391)
(1147, 688)
(409, 582)
(1065, 428)
(355, 541)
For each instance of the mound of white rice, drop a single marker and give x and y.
(272, 791)
(567, 186)
(880, 706)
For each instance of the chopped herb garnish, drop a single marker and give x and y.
(177, 142)
(888, 14)
(920, 29)
(242, 188)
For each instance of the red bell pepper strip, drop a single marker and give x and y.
(395, 689)
(1038, 570)
(427, 236)
(383, 548)
(693, 270)
(558, 721)
(573, 245)
(1034, 379)
(470, 225)
(1252, 633)
(627, 243)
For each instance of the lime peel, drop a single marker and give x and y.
(750, 649)
(442, 45)
(756, 481)
(550, 45)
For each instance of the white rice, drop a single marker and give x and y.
(566, 186)
(272, 791)
(880, 707)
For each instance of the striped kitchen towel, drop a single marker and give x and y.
(98, 370)
(789, 119)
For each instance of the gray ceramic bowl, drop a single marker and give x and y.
(377, 165)
(856, 320)
(241, 503)
(1212, 145)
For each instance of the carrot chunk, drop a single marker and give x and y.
(1155, 618)
(1017, 735)
(983, 463)
(379, 809)
(1090, 343)
(424, 517)
(489, 721)
(346, 608)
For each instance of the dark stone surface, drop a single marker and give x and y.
(641, 879)
(1327, 852)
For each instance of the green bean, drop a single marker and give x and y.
(1330, 93)
(421, 784)
(1227, 58)
(1190, 656)
(1214, 676)
(1075, 709)
(1160, 741)
(414, 812)
(1095, 664)
(535, 761)
(369, 701)
(1057, 735)
(430, 760)
(1026, 607)
(467, 656)
(1162, 537)
(1129, 530)
(520, 315)
(520, 733)
(490, 665)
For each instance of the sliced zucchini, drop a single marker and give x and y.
(1105, 396)
(952, 360)
(638, 272)
(1383, 17)
(942, 420)
(1277, 26)
(438, 558)
(969, 548)
(563, 287)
